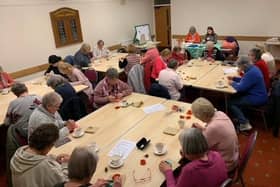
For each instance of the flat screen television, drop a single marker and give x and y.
(142, 33)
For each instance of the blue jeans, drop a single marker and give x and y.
(236, 105)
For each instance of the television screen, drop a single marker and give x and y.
(142, 33)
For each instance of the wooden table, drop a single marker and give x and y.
(217, 74)
(36, 86)
(195, 70)
(101, 65)
(112, 123)
(152, 128)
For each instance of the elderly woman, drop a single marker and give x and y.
(53, 62)
(110, 89)
(205, 164)
(255, 57)
(5, 79)
(81, 167)
(251, 91)
(47, 113)
(82, 57)
(170, 79)
(32, 167)
(211, 53)
(23, 103)
(130, 60)
(76, 77)
(210, 35)
(219, 131)
(160, 63)
(100, 51)
(193, 36)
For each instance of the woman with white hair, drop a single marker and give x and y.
(207, 168)
(251, 91)
(219, 131)
(81, 167)
(82, 57)
(47, 113)
(193, 36)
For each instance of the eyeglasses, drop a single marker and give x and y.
(147, 176)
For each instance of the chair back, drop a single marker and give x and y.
(233, 39)
(159, 91)
(247, 153)
(74, 109)
(92, 76)
(135, 79)
(227, 183)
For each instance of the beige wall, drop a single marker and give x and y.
(26, 34)
(239, 17)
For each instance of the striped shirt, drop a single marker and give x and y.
(132, 59)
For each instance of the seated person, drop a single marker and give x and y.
(110, 89)
(81, 167)
(170, 79)
(193, 36)
(76, 77)
(82, 57)
(205, 164)
(100, 51)
(130, 60)
(53, 62)
(47, 113)
(177, 54)
(32, 167)
(5, 79)
(274, 101)
(219, 131)
(270, 62)
(251, 91)
(23, 103)
(160, 63)
(211, 53)
(232, 47)
(210, 35)
(255, 57)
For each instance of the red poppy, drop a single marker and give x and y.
(117, 107)
(189, 112)
(182, 117)
(188, 117)
(142, 162)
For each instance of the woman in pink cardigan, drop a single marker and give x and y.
(207, 168)
(110, 89)
(5, 79)
(76, 77)
(219, 131)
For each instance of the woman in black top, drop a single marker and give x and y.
(53, 62)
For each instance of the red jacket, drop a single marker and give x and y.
(193, 38)
(179, 57)
(147, 62)
(264, 69)
(5, 80)
(158, 65)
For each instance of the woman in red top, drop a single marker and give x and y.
(255, 56)
(179, 56)
(5, 79)
(160, 63)
(193, 36)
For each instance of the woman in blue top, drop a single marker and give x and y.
(251, 91)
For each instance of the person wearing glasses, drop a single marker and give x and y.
(207, 168)
(47, 113)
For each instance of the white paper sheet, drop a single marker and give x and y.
(122, 148)
(153, 108)
(230, 70)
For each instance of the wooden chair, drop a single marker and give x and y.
(227, 183)
(244, 158)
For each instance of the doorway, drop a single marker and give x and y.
(163, 26)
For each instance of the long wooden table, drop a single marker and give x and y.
(36, 86)
(112, 122)
(151, 127)
(194, 70)
(132, 124)
(101, 65)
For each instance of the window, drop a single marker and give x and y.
(66, 26)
